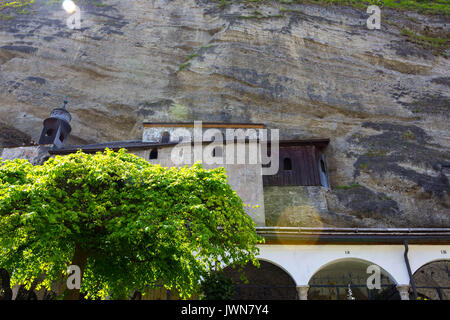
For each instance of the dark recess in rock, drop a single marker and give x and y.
(10, 137)
(430, 104)
(366, 203)
(397, 144)
(442, 80)
(404, 49)
(38, 80)
(23, 49)
(147, 108)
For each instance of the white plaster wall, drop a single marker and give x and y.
(420, 255)
(154, 134)
(29, 153)
(34, 154)
(303, 261)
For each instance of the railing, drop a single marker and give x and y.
(268, 292)
(443, 293)
(264, 292)
(389, 293)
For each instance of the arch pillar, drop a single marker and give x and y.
(302, 292)
(403, 289)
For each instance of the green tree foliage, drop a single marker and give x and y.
(127, 223)
(217, 286)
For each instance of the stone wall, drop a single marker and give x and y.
(35, 154)
(296, 206)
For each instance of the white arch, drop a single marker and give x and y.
(420, 255)
(275, 264)
(429, 262)
(279, 266)
(330, 263)
(303, 261)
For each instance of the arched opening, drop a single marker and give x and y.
(432, 280)
(153, 154)
(347, 280)
(49, 133)
(268, 282)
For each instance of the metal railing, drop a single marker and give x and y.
(386, 292)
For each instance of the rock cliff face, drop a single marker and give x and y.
(382, 97)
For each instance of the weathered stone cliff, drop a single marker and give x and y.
(382, 96)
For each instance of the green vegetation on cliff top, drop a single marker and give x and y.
(15, 4)
(422, 6)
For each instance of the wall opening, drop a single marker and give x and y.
(153, 154)
(433, 281)
(269, 282)
(347, 280)
(302, 163)
(287, 164)
(165, 137)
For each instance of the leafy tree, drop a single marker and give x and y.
(217, 286)
(128, 224)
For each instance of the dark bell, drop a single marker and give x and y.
(56, 128)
